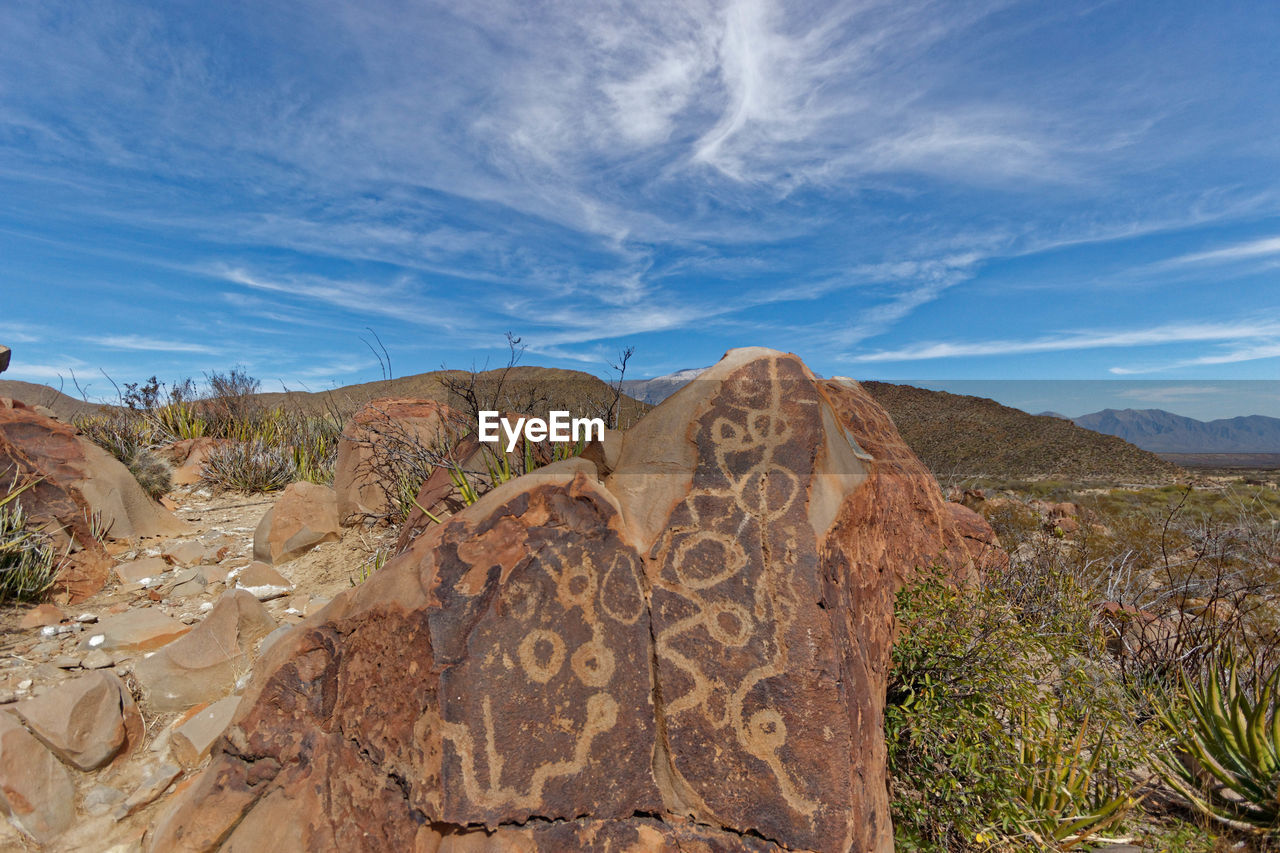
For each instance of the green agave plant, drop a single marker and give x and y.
(1066, 793)
(1226, 757)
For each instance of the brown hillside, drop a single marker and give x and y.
(525, 389)
(961, 436)
(60, 404)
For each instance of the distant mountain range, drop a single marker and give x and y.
(1164, 432)
(958, 436)
(654, 391)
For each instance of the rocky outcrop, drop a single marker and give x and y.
(304, 516)
(688, 652)
(77, 486)
(379, 431)
(5, 354)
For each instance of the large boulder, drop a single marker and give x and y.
(380, 430)
(204, 665)
(77, 486)
(86, 721)
(303, 517)
(688, 654)
(36, 791)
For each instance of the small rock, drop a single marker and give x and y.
(8, 697)
(97, 659)
(140, 630)
(159, 778)
(24, 684)
(67, 662)
(270, 640)
(35, 789)
(140, 571)
(186, 553)
(100, 799)
(40, 616)
(304, 516)
(87, 618)
(188, 589)
(263, 582)
(193, 738)
(82, 721)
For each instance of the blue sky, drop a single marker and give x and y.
(900, 189)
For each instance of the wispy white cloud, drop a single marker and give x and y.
(1154, 336)
(1234, 355)
(1265, 247)
(141, 343)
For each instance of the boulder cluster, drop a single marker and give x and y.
(678, 640)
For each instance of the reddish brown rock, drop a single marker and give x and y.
(40, 616)
(303, 517)
(689, 654)
(384, 423)
(188, 457)
(85, 721)
(75, 481)
(36, 791)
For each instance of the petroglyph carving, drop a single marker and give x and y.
(723, 598)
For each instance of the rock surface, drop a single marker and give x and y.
(689, 653)
(75, 481)
(305, 516)
(85, 721)
(384, 422)
(35, 789)
(192, 738)
(134, 630)
(204, 665)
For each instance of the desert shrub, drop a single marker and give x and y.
(248, 466)
(151, 472)
(28, 560)
(122, 434)
(978, 683)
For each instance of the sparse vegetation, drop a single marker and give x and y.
(249, 466)
(28, 559)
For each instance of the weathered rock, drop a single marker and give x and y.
(35, 789)
(699, 641)
(40, 616)
(189, 552)
(357, 477)
(188, 457)
(192, 739)
(85, 721)
(5, 354)
(97, 659)
(204, 665)
(153, 785)
(263, 582)
(141, 570)
(304, 516)
(137, 630)
(75, 481)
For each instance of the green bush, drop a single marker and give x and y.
(248, 466)
(978, 685)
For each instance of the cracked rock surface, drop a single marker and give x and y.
(686, 651)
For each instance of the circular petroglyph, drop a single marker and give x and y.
(541, 655)
(577, 586)
(593, 664)
(729, 624)
(705, 558)
(766, 731)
